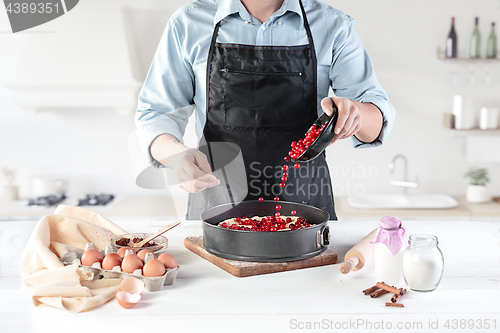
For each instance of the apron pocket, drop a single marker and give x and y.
(263, 99)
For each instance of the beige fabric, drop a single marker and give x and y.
(67, 287)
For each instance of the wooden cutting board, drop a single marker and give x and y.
(245, 268)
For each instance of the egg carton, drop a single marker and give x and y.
(152, 283)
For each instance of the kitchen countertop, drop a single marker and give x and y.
(206, 298)
(162, 206)
(464, 211)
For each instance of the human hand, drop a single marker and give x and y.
(191, 166)
(193, 171)
(349, 120)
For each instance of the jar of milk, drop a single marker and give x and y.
(423, 263)
(389, 251)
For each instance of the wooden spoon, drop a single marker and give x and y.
(156, 234)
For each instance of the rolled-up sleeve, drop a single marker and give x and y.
(166, 99)
(352, 76)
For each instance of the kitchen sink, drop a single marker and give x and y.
(417, 201)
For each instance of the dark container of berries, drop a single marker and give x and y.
(265, 246)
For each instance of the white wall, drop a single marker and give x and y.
(89, 147)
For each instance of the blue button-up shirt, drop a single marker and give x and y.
(176, 82)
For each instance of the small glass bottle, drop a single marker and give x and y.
(423, 263)
(491, 46)
(389, 251)
(475, 41)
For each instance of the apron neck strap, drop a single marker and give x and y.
(306, 26)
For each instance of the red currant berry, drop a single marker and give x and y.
(293, 212)
(287, 158)
(284, 179)
(278, 207)
(296, 165)
(261, 199)
(224, 225)
(276, 199)
(282, 184)
(285, 167)
(277, 214)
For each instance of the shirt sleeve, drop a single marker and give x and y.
(352, 76)
(166, 99)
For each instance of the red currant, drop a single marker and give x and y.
(261, 199)
(276, 199)
(277, 214)
(283, 179)
(287, 158)
(296, 165)
(285, 167)
(278, 207)
(224, 225)
(293, 212)
(282, 184)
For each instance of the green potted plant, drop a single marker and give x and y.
(477, 191)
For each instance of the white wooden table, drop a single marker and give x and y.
(206, 298)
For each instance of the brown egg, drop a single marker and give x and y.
(91, 256)
(132, 285)
(127, 300)
(130, 263)
(111, 260)
(153, 267)
(142, 254)
(168, 260)
(121, 251)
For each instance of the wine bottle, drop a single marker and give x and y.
(491, 46)
(451, 41)
(475, 41)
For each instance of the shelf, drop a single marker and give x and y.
(440, 56)
(475, 132)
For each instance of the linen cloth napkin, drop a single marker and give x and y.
(67, 287)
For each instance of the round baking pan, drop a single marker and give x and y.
(265, 246)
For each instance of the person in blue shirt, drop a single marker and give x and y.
(257, 74)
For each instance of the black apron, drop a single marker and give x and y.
(260, 99)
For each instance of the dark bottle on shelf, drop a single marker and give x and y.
(491, 46)
(475, 41)
(451, 41)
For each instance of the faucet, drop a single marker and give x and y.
(403, 183)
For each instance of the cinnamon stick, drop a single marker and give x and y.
(377, 293)
(399, 305)
(390, 289)
(370, 290)
(395, 298)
